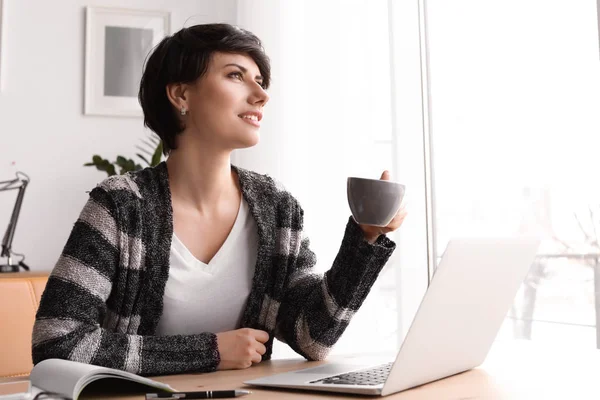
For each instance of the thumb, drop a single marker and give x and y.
(385, 176)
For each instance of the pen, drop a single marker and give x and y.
(211, 394)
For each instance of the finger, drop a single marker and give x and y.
(385, 176)
(260, 336)
(256, 358)
(399, 215)
(401, 210)
(260, 348)
(396, 222)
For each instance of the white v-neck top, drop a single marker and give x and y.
(210, 297)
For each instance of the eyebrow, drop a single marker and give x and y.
(244, 70)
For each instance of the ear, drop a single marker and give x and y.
(176, 93)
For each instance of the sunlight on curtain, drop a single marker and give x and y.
(331, 91)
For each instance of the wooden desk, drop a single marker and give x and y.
(513, 370)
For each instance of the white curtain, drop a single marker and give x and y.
(329, 118)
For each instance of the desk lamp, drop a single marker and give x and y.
(20, 184)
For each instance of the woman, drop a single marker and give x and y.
(196, 265)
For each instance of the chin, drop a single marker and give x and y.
(247, 141)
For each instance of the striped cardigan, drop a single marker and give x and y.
(103, 299)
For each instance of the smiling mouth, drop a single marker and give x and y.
(250, 117)
(253, 120)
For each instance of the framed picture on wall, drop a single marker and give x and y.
(1, 38)
(117, 43)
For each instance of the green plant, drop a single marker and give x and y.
(152, 155)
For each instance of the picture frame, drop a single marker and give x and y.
(117, 43)
(1, 41)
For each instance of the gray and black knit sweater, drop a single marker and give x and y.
(103, 299)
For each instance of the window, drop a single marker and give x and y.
(493, 117)
(515, 134)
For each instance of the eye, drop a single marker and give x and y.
(236, 74)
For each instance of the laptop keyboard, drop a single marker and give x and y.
(370, 377)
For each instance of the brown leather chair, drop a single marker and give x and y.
(20, 294)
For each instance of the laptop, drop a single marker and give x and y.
(455, 325)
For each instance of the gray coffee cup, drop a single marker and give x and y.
(374, 201)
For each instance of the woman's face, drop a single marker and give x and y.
(226, 103)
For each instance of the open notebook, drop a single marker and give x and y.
(69, 378)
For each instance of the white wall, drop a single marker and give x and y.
(42, 127)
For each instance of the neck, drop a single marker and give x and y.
(201, 177)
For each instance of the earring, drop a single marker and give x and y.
(183, 111)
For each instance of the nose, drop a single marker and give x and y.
(258, 96)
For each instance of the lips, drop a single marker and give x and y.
(251, 117)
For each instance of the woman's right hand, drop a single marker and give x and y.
(241, 348)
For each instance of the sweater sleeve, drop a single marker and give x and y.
(71, 321)
(316, 309)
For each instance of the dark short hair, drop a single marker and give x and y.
(183, 58)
